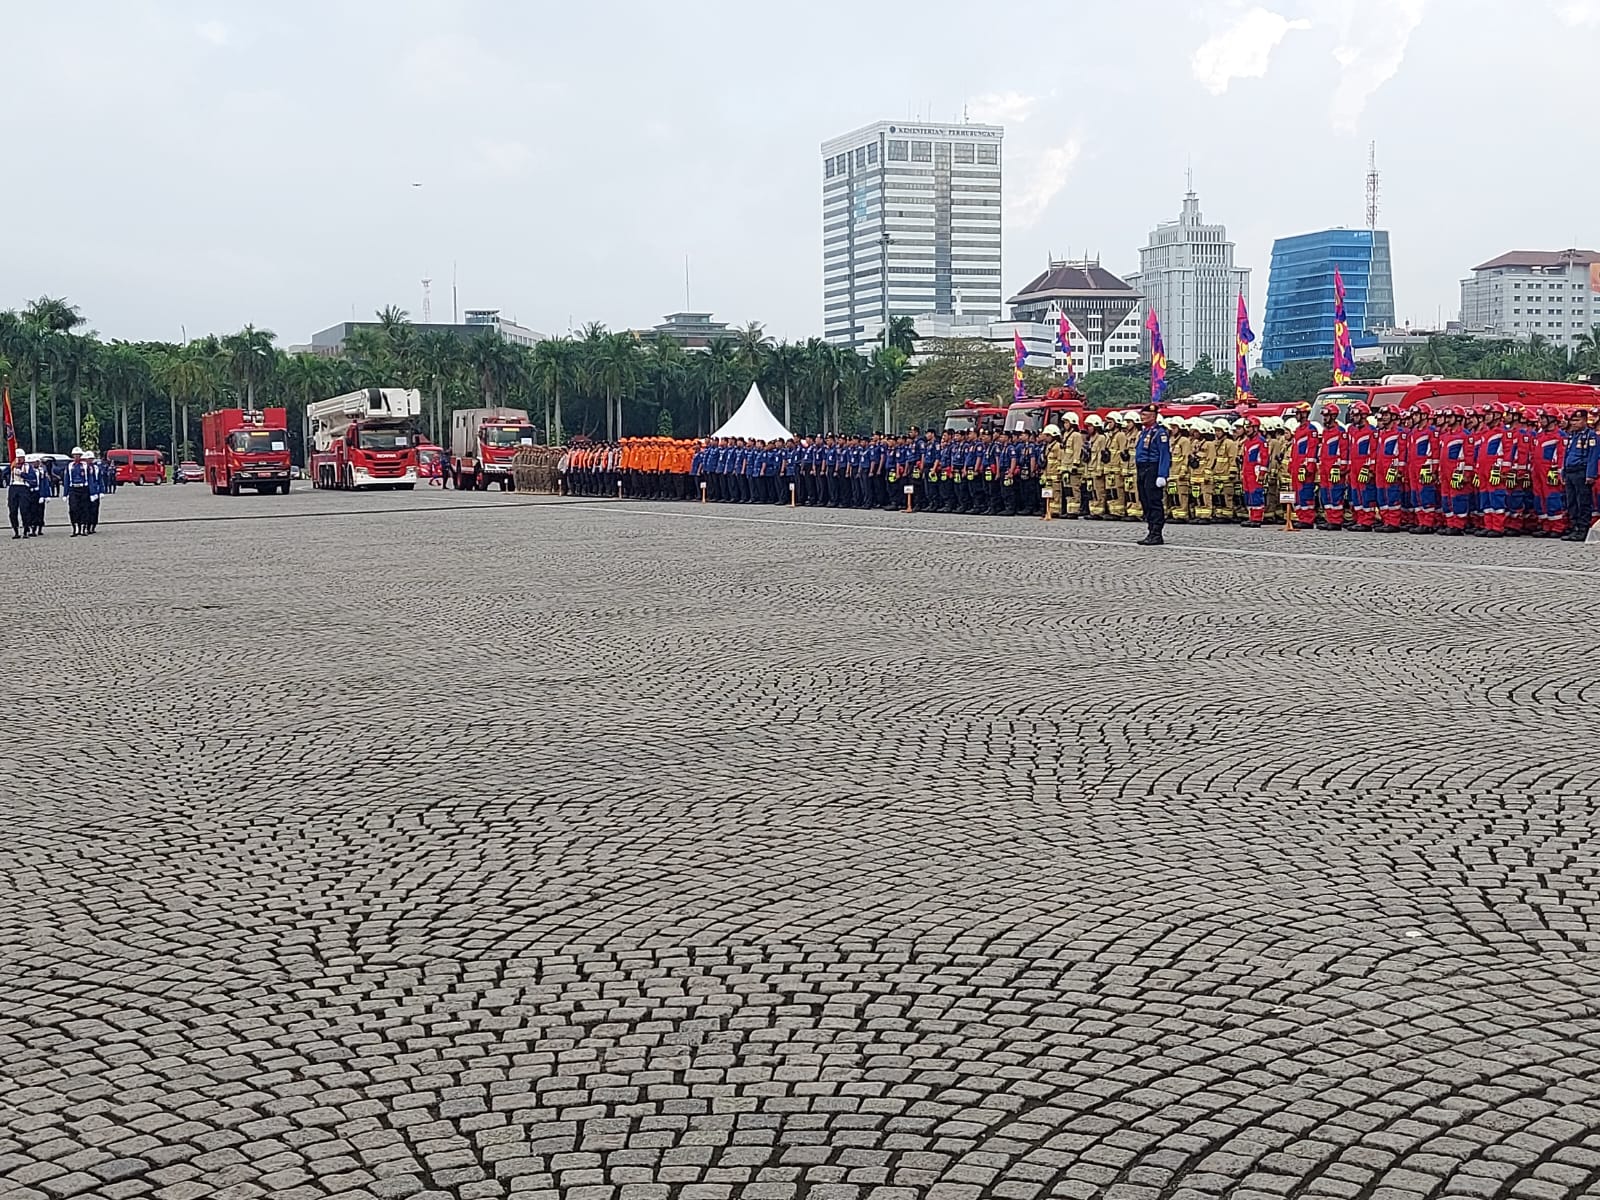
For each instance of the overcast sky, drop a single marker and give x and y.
(197, 166)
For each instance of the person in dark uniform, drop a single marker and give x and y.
(1578, 471)
(78, 476)
(19, 497)
(1152, 461)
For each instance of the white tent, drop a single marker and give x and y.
(754, 420)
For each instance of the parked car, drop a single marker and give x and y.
(189, 472)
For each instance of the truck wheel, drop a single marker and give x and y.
(233, 487)
(350, 479)
(283, 489)
(505, 485)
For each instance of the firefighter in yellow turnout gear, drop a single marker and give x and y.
(1099, 467)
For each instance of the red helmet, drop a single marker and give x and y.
(1423, 407)
(1458, 411)
(1253, 422)
(1359, 408)
(1304, 406)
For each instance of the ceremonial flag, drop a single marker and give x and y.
(1241, 356)
(1020, 356)
(10, 425)
(1064, 346)
(1344, 357)
(1158, 359)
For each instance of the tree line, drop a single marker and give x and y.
(601, 383)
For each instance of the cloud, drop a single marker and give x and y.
(1370, 59)
(1241, 52)
(214, 32)
(1579, 13)
(503, 156)
(1001, 108)
(1043, 175)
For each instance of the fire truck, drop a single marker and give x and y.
(246, 449)
(1404, 391)
(483, 442)
(365, 439)
(977, 415)
(1032, 413)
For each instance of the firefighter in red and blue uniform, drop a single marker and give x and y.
(1333, 469)
(1549, 496)
(1455, 462)
(1423, 469)
(1494, 467)
(1363, 467)
(1254, 456)
(1304, 448)
(1389, 471)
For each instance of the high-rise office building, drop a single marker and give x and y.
(1187, 275)
(1300, 293)
(920, 202)
(1554, 293)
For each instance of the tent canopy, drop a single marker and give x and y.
(754, 420)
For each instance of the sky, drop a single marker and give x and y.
(180, 168)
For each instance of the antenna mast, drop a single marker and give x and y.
(427, 303)
(1372, 185)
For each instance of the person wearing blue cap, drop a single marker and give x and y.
(1152, 460)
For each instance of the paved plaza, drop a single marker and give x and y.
(491, 846)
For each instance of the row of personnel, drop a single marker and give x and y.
(30, 485)
(1489, 470)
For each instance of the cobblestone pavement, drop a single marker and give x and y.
(629, 851)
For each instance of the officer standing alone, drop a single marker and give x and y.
(1579, 466)
(1152, 460)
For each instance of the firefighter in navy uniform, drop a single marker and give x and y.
(1152, 461)
(1578, 471)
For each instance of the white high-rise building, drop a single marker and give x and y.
(1187, 275)
(1554, 293)
(921, 200)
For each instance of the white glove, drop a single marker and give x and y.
(1161, 481)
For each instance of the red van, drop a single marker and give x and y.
(138, 466)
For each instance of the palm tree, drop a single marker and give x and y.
(439, 358)
(618, 372)
(885, 372)
(664, 366)
(305, 377)
(124, 372)
(554, 371)
(496, 363)
(723, 373)
(903, 335)
(250, 359)
(188, 377)
(785, 366)
(47, 318)
(1586, 351)
(751, 345)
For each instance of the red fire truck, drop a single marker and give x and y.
(246, 449)
(1404, 391)
(1033, 413)
(365, 439)
(483, 442)
(975, 414)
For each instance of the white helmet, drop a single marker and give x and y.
(1052, 431)
(1070, 418)
(1094, 419)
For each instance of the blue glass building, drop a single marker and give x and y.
(1299, 317)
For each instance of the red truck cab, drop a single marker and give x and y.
(246, 449)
